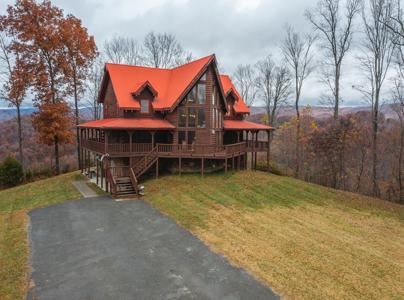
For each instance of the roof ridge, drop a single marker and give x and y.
(194, 61)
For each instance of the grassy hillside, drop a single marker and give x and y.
(304, 240)
(14, 203)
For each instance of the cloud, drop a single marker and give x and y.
(237, 31)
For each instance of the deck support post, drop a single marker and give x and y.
(157, 168)
(179, 164)
(238, 161)
(232, 162)
(102, 174)
(96, 173)
(202, 166)
(225, 165)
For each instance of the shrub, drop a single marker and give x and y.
(11, 172)
(273, 167)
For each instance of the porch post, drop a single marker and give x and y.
(102, 174)
(255, 159)
(106, 141)
(269, 149)
(252, 152)
(152, 138)
(225, 165)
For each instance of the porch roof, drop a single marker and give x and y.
(122, 123)
(244, 125)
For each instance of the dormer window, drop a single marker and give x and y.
(144, 106)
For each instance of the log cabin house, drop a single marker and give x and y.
(183, 119)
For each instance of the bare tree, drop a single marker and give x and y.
(94, 85)
(274, 86)
(14, 85)
(297, 52)
(123, 50)
(378, 49)
(244, 78)
(336, 37)
(398, 107)
(162, 50)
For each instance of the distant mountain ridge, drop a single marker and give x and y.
(7, 113)
(321, 112)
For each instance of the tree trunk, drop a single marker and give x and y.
(336, 104)
(19, 129)
(376, 191)
(297, 169)
(57, 162)
(76, 113)
(400, 162)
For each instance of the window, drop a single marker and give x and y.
(214, 95)
(191, 137)
(191, 98)
(201, 118)
(203, 77)
(201, 93)
(181, 137)
(182, 117)
(144, 106)
(191, 117)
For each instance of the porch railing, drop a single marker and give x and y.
(166, 149)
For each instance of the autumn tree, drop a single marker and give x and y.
(297, 51)
(80, 51)
(274, 83)
(36, 31)
(15, 83)
(336, 31)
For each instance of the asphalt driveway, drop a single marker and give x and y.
(97, 248)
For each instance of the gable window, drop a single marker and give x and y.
(182, 121)
(191, 98)
(144, 106)
(201, 93)
(191, 117)
(201, 118)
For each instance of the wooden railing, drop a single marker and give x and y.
(167, 149)
(112, 181)
(236, 148)
(259, 146)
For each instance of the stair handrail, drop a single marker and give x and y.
(133, 179)
(112, 181)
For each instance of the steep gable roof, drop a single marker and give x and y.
(228, 87)
(169, 84)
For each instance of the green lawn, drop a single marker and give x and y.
(14, 204)
(303, 240)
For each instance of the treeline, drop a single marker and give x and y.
(48, 57)
(359, 153)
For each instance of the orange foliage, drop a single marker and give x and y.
(53, 122)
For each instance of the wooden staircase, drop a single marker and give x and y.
(125, 183)
(145, 163)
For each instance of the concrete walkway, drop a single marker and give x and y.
(84, 189)
(98, 248)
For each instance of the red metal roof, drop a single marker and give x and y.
(169, 84)
(121, 123)
(239, 105)
(244, 125)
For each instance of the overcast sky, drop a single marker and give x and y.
(237, 31)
